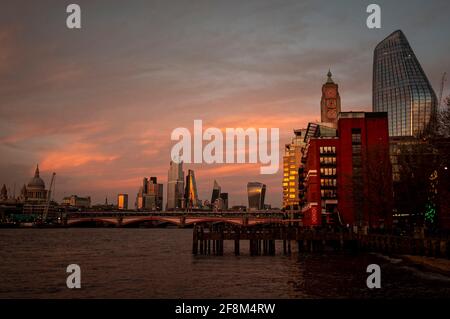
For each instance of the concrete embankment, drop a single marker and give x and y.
(439, 265)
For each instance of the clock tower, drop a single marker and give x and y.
(330, 104)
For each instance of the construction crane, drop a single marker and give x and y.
(49, 194)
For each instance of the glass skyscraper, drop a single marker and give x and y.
(190, 193)
(401, 88)
(175, 186)
(256, 193)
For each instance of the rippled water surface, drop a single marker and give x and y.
(157, 263)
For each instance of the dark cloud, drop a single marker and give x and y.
(97, 105)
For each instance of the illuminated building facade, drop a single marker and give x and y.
(293, 188)
(320, 174)
(190, 193)
(348, 176)
(122, 201)
(150, 195)
(256, 194)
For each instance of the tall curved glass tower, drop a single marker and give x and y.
(401, 88)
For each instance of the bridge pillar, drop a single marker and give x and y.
(195, 240)
(272, 247)
(236, 247)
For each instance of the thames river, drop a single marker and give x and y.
(157, 263)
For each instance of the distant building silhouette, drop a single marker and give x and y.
(215, 192)
(150, 195)
(175, 186)
(77, 201)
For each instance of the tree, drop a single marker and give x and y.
(444, 119)
(416, 161)
(378, 178)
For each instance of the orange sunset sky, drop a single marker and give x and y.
(98, 105)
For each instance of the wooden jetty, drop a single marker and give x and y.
(209, 240)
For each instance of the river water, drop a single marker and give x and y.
(157, 263)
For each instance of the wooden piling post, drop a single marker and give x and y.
(236, 247)
(195, 241)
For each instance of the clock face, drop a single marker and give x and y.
(331, 104)
(330, 92)
(331, 114)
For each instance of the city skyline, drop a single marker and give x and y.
(101, 139)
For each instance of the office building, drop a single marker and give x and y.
(150, 195)
(216, 192)
(401, 88)
(77, 201)
(256, 194)
(348, 176)
(175, 186)
(122, 201)
(190, 193)
(293, 188)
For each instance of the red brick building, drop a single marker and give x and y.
(348, 175)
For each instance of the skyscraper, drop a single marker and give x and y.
(215, 193)
(150, 195)
(175, 186)
(256, 194)
(191, 195)
(224, 198)
(122, 201)
(401, 88)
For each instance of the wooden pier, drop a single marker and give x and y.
(209, 240)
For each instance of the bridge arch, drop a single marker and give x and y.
(82, 221)
(192, 221)
(162, 220)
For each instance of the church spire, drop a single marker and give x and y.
(36, 173)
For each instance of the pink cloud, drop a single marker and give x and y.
(74, 155)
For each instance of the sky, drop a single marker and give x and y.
(97, 105)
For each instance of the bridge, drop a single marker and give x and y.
(176, 219)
